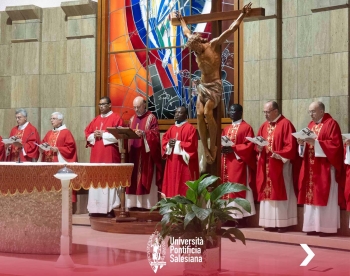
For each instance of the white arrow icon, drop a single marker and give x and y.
(309, 252)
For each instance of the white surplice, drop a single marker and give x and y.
(324, 219)
(249, 196)
(280, 213)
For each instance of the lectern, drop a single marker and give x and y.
(123, 133)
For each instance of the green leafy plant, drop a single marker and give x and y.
(201, 213)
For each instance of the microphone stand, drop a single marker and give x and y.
(19, 155)
(21, 146)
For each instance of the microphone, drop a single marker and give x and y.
(29, 136)
(19, 154)
(120, 118)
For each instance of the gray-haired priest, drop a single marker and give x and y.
(26, 136)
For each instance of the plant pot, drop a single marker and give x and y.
(209, 265)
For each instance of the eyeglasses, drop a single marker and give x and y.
(101, 104)
(268, 112)
(53, 118)
(311, 112)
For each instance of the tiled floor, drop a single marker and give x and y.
(99, 253)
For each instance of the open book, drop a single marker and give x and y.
(11, 140)
(226, 142)
(258, 140)
(44, 146)
(346, 135)
(304, 133)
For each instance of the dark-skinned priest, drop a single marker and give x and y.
(104, 149)
(180, 149)
(146, 156)
(238, 160)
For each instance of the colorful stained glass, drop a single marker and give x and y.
(147, 57)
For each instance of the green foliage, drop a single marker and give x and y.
(201, 213)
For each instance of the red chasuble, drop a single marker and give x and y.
(177, 172)
(2, 150)
(29, 137)
(64, 141)
(144, 162)
(233, 169)
(269, 178)
(101, 153)
(315, 174)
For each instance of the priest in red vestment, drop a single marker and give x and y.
(321, 181)
(27, 137)
(60, 145)
(2, 150)
(180, 149)
(60, 141)
(274, 180)
(104, 149)
(238, 159)
(145, 153)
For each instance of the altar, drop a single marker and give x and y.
(30, 201)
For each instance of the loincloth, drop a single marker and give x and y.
(210, 91)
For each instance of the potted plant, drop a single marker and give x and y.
(199, 216)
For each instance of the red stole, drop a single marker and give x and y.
(49, 155)
(15, 151)
(144, 162)
(233, 169)
(232, 135)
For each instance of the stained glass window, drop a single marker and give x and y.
(147, 57)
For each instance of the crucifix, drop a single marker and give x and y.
(208, 58)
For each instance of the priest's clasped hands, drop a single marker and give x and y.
(226, 150)
(139, 132)
(172, 142)
(98, 133)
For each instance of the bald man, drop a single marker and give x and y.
(321, 174)
(146, 156)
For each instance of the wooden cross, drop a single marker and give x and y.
(216, 16)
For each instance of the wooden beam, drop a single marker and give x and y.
(215, 16)
(101, 52)
(236, 53)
